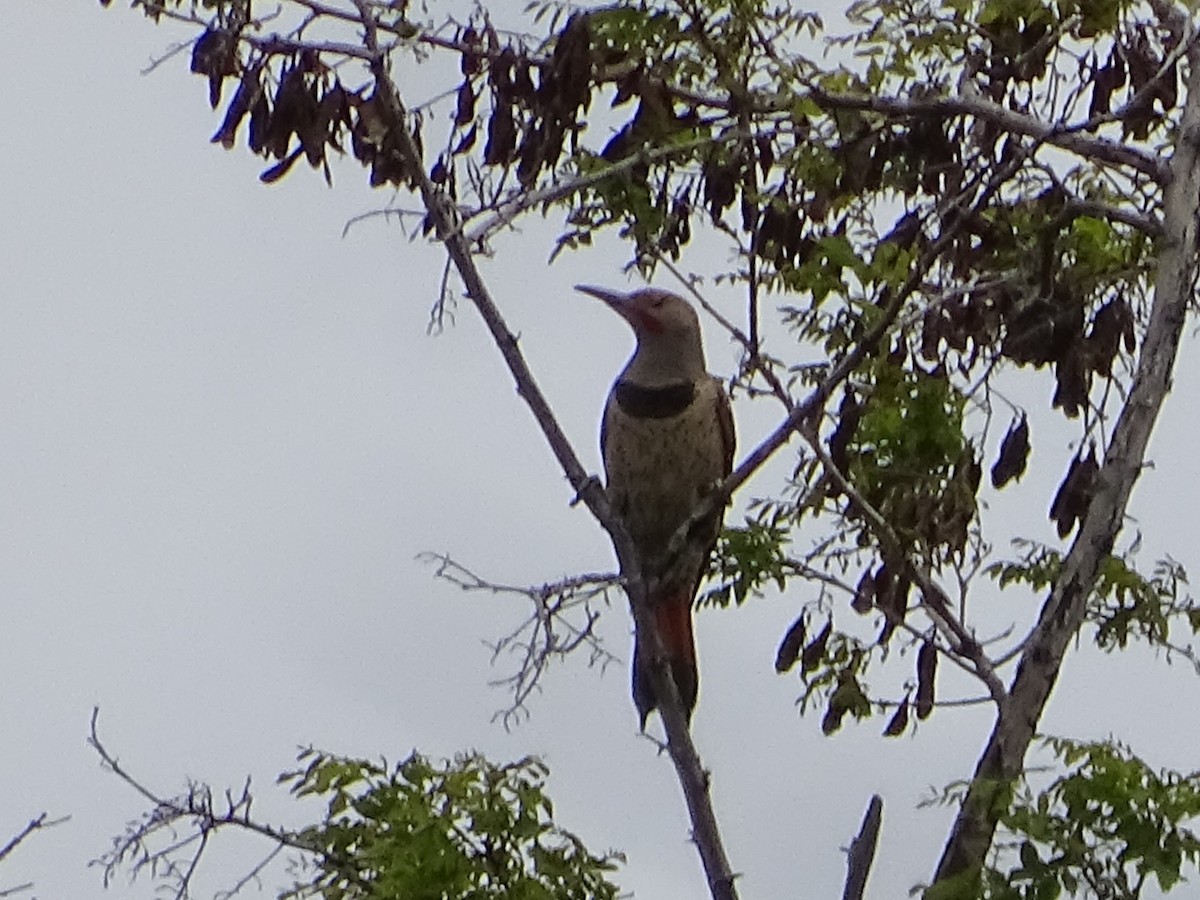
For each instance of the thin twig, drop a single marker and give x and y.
(35, 824)
(547, 633)
(523, 200)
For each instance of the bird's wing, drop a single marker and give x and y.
(725, 422)
(604, 430)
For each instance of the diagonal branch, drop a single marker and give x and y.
(35, 824)
(692, 775)
(1097, 148)
(523, 200)
(958, 213)
(1065, 608)
(862, 851)
(445, 219)
(962, 641)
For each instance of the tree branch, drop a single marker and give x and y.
(962, 642)
(35, 824)
(1086, 145)
(195, 807)
(547, 632)
(1065, 609)
(862, 851)
(693, 778)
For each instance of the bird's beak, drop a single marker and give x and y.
(621, 304)
(618, 301)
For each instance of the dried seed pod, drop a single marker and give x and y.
(1071, 377)
(1105, 81)
(500, 73)
(260, 123)
(832, 720)
(1112, 325)
(465, 105)
(864, 595)
(471, 60)
(287, 117)
(568, 90)
(1074, 494)
(720, 187)
(927, 658)
(1014, 454)
(277, 171)
(244, 99)
(849, 414)
(215, 53)
(899, 720)
(316, 117)
(815, 649)
(891, 596)
(789, 647)
(502, 137)
(467, 141)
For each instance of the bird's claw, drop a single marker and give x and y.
(590, 482)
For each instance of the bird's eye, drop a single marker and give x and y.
(656, 303)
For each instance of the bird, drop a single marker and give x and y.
(667, 440)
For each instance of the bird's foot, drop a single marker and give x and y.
(590, 482)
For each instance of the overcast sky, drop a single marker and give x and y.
(226, 437)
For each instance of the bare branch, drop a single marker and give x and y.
(550, 631)
(252, 876)
(754, 360)
(862, 851)
(194, 809)
(35, 824)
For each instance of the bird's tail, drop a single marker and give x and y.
(672, 618)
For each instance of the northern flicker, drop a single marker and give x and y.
(667, 439)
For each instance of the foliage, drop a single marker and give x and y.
(1106, 828)
(1124, 604)
(746, 560)
(467, 829)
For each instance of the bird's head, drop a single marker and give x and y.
(651, 311)
(667, 330)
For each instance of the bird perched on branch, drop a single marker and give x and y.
(667, 440)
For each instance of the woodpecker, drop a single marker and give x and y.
(667, 439)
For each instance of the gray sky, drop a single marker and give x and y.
(226, 435)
